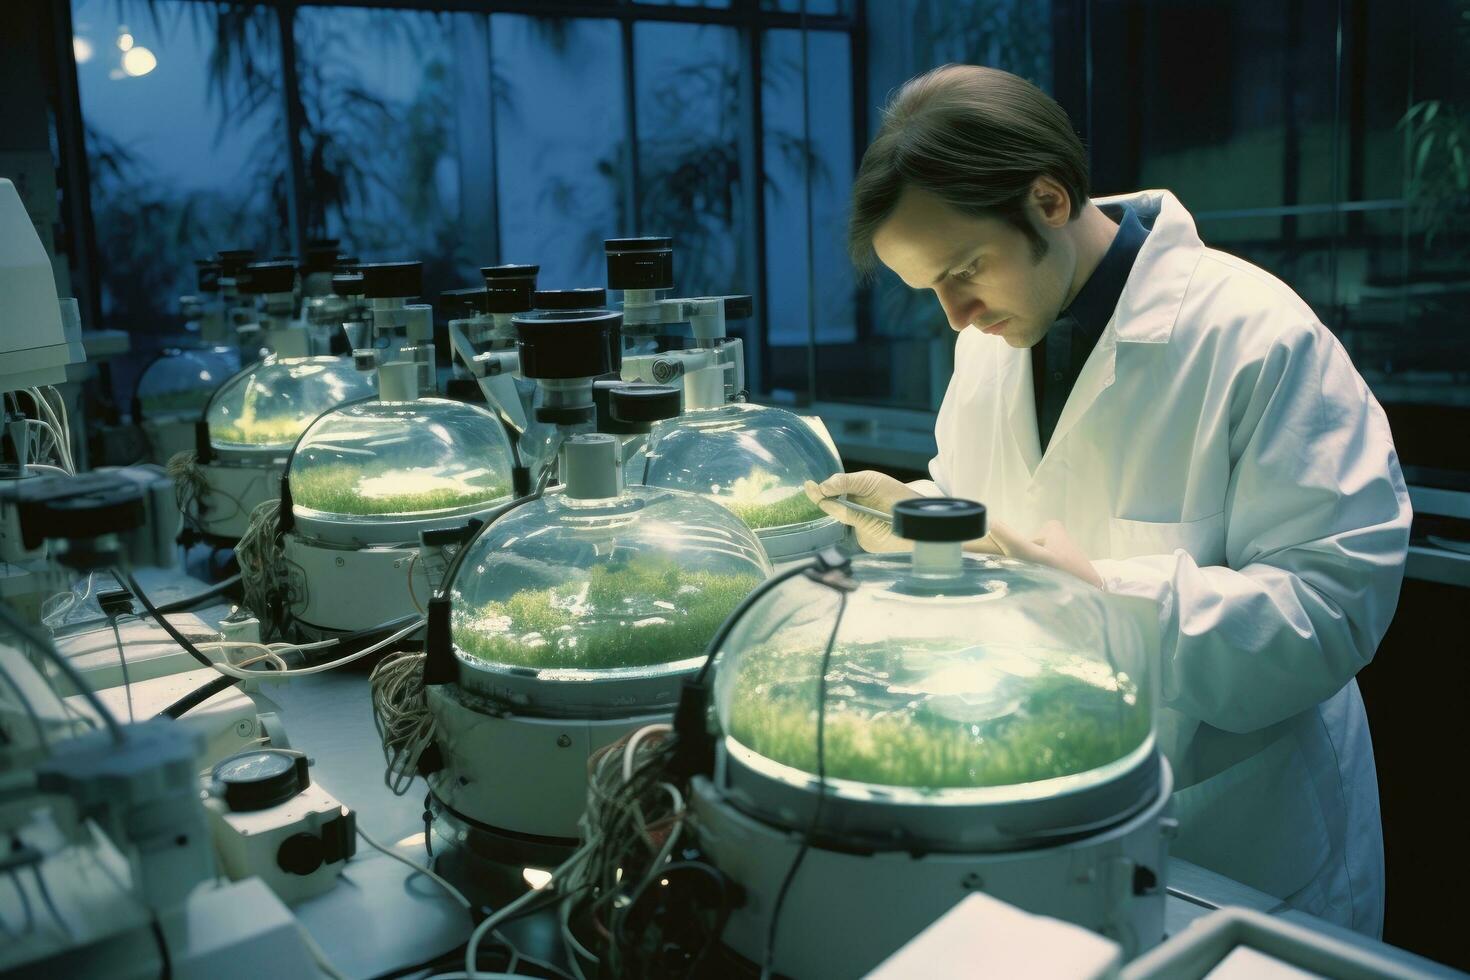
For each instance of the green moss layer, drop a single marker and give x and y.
(333, 488)
(171, 402)
(1058, 724)
(795, 509)
(639, 613)
(259, 431)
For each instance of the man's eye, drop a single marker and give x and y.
(968, 272)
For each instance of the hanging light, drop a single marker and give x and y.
(138, 61)
(81, 49)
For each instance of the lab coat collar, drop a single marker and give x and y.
(1155, 289)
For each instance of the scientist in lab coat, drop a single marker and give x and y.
(1167, 421)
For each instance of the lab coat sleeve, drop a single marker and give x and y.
(1316, 532)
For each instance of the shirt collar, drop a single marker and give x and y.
(1095, 303)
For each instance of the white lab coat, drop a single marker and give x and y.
(1220, 455)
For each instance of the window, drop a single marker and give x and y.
(186, 147)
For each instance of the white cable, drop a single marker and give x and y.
(453, 892)
(256, 675)
(322, 963)
(632, 747)
(47, 467)
(59, 427)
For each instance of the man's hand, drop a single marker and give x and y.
(1052, 546)
(870, 489)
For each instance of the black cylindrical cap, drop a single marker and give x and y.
(260, 278)
(321, 256)
(208, 275)
(565, 345)
(938, 519)
(392, 280)
(644, 402)
(640, 263)
(232, 260)
(463, 302)
(347, 284)
(739, 307)
(511, 288)
(260, 778)
(594, 298)
(76, 508)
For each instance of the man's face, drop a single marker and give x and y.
(982, 269)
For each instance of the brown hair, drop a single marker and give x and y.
(975, 137)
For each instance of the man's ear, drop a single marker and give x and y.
(1049, 201)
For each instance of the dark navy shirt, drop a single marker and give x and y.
(1057, 359)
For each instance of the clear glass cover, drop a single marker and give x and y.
(406, 459)
(1002, 674)
(752, 459)
(179, 382)
(579, 588)
(270, 405)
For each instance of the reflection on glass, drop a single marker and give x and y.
(559, 144)
(185, 145)
(688, 104)
(381, 90)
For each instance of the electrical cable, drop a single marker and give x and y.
(219, 588)
(29, 709)
(758, 593)
(49, 902)
(123, 575)
(198, 696)
(449, 889)
(75, 679)
(122, 658)
(806, 839)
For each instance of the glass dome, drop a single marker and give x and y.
(178, 383)
(997, 682)
(423, 459)
(270, 404)
(623, 590)
(751, 458)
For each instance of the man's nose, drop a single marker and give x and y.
(961, 309)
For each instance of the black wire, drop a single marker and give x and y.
(122, 658)
(219, 588)
(198, 696)
(722, 912)
(806, 839)
(739, 612)
(124, 575)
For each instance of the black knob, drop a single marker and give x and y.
(392, 280)
(260, 278)
(566, 345)
(938, 519)
(640, 263)
(300, 854)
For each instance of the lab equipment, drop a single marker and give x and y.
(171, 394)
(376, 488)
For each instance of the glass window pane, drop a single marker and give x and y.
(688, 114)
(382, 92)
(560, 144)
(790, 273)
(906, 353)
(185, 134)
(817, 7)
(686, 3)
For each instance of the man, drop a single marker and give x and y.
(1167, 421)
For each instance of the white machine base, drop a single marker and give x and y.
(223, 511)
(525, 775)
(846, 912)
(340, 590)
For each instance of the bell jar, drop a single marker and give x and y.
(178, 383)
(753, 460)
(399, 463)
(934, 684)
(269, 405)
(623, 587)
